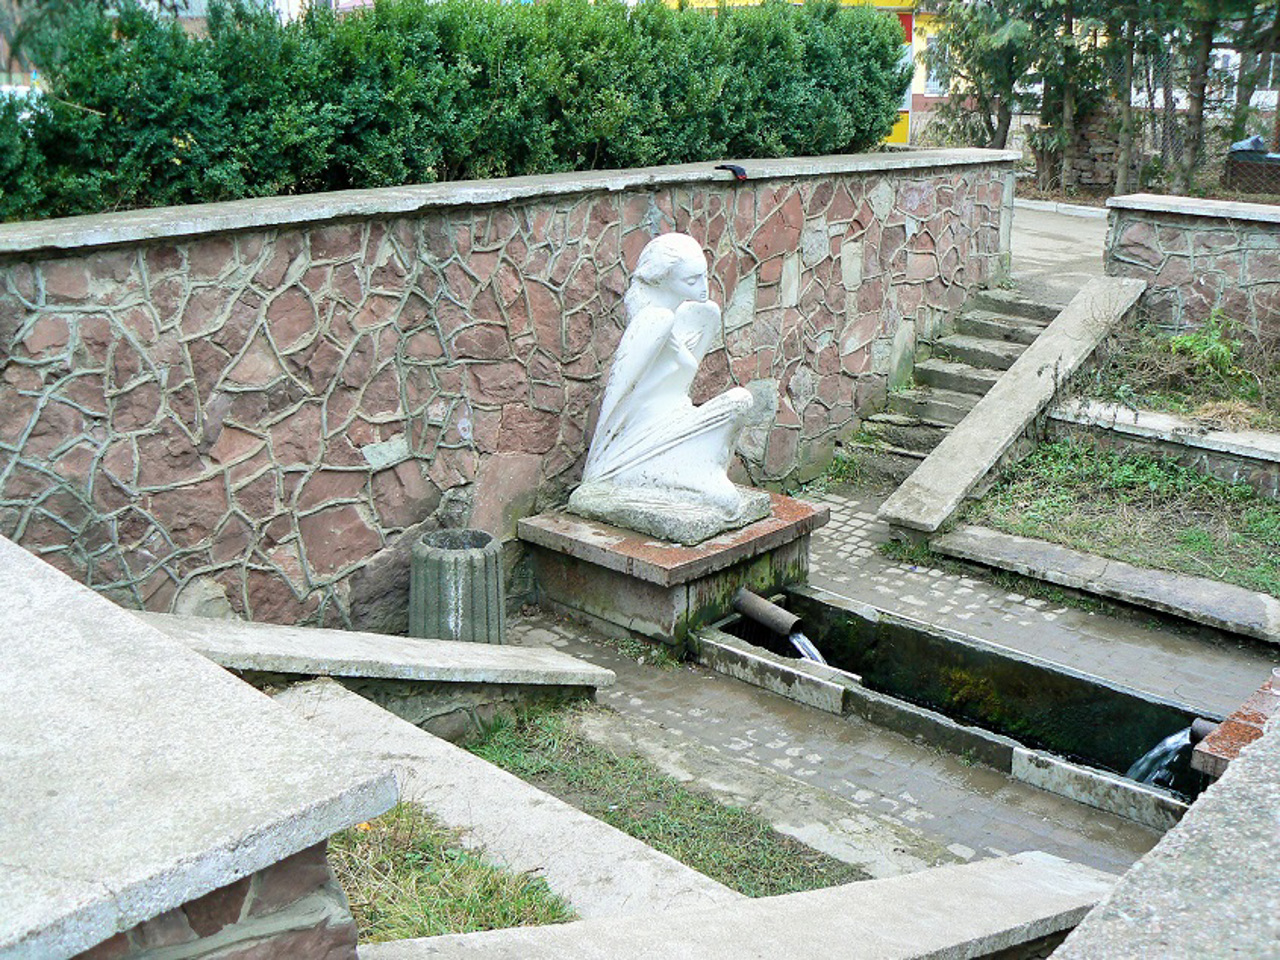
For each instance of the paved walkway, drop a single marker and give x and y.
(971, 810)
(1205, 671)
(1055, 254)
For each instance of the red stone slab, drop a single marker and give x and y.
(668, 564)
(1212, 754)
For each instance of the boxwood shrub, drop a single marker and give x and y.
(135, 111)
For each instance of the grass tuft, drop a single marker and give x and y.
(730, 845)
(406, 876)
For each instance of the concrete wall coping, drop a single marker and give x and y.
(106, 229)
(1152, 425)
(138, 775)
(240, 645)
(1196, 207)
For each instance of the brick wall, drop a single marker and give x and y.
(263, 397)
(290, 910)
(1197, 256)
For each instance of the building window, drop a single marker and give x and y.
(933, 83)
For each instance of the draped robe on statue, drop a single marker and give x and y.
(658, 463)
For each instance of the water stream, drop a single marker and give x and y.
(1167, 764)
(806, 647)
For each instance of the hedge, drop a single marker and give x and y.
(137, 112)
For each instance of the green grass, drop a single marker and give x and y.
(733, 846)
(406, 876)
(1142, 510)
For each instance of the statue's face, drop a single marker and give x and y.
(688, 281)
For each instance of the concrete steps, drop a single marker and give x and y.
(905, 432)
(932, 405)
(956, 376)
(600, 870)
(981, 352)
(1008, 303)
(1027, 901)
(1009, 399)
(965, 365)
(996, 326)
(883, 463)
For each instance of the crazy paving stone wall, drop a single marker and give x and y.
(1197, 258)
(266, 412)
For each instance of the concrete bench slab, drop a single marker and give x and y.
(237, 645)
(137, 775)
(1210, 602)
(954, 912)
(928, 498)
(600, 870)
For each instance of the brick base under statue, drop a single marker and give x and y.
(627, 582)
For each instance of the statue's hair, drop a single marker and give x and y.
(657, 259)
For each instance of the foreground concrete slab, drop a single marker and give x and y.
(955, 912)
(237, 645)
(137, 775)
(600, 870)
(1211, 887)
(1210, 602)
(928, 498)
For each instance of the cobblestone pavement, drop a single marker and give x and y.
(973, 811)
(1189, 665)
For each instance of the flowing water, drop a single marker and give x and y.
(1167, 764)
(806, 647)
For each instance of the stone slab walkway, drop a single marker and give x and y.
(973, 811)
(1208, 672)
(600, 870)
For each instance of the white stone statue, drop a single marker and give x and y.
(657, 463)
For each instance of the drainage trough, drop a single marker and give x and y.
(1061, 730)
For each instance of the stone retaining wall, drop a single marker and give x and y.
(1198, 255)
(292, 909)
(263, 397)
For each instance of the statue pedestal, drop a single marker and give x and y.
(622, 581)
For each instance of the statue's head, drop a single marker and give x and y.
(672, 269)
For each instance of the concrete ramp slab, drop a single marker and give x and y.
(928, 498)
(955, 912)
(600, 870)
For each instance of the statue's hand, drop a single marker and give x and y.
(696, 324)
(698, 315)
